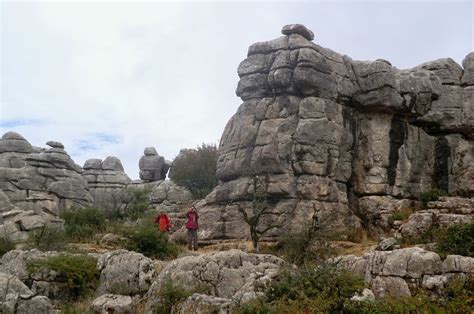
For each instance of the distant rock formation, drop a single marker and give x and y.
(153, 167)
(106, 179)
(334, 135)
(35, 185)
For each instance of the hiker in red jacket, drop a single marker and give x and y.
(192, 226)
(164, 222)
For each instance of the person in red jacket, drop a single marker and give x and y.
(163, 221)
(192, 226)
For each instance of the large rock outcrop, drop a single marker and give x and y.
(36, 184)
(398, 273)
(324, 133)
(231, 276)
(153, 167)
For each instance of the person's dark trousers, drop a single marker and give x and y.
(192, 239)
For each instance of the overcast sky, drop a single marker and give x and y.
(108, 79)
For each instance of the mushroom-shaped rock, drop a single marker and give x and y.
(55, 144)
(298, 29)
(468, 65)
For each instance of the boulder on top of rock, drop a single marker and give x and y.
(297, 29)
(55, 144)
(152, 166)
(446, 68)
(468, 65)
(14, 143)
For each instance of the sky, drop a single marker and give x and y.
(111, 78)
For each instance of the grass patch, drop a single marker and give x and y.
(458, 240)
(77, 273)
(6, 245)
(83, 223)
(48, 238)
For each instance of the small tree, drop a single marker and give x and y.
(259, 209)
(195, 169)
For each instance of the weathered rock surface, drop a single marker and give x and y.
(230, 274)
(125, 272)
(398, 272)
(152, 166)
(106, 181)
(203, 304)
(36, 185)
(112, 303)
(337, 137)
(171, 192)
(443, 213)
(17, 298)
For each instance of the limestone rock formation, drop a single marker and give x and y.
(399, 272)
(17, 298)
(106, 180)
(152, 166)
(35, 185)
(332, 136)
(233, 274)
(125, 272)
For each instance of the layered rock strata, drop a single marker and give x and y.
(328, 135)
(398, 273)
(35, 185)
(153, 167)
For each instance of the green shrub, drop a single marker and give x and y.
(195, 169)
(83, 223)
(48, 238)
(431, 195)
(146, 238)
(77, 273)
(5, 246)
(168, 296)
(458, 240)
(320, 289)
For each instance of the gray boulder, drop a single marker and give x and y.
(297, 29)
(112, 303)
(230, 274)
(152, 166)
(125, 272)
(468, 65)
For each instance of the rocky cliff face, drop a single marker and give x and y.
(35, 185)
(335, 136)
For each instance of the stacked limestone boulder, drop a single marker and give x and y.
(153, 167)
(335, 136)
(35, 185)
(106, 180)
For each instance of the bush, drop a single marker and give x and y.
(169, 296)
(77, 273)
(431, 195)
(458, 240)
(146, 238)
(195, 169)
(48, 238)
(130, 203)
(5, 246)
(83, 223)
(319, 289)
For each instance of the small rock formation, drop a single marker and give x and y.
(16, 297)
(203, 303)
(444, 213)
(338, 137)
(152, 166)
(232, 275)
(112, 303)
(106, 180)
(171, 192)
(35, 185)
(125, 272)
(396, 273)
